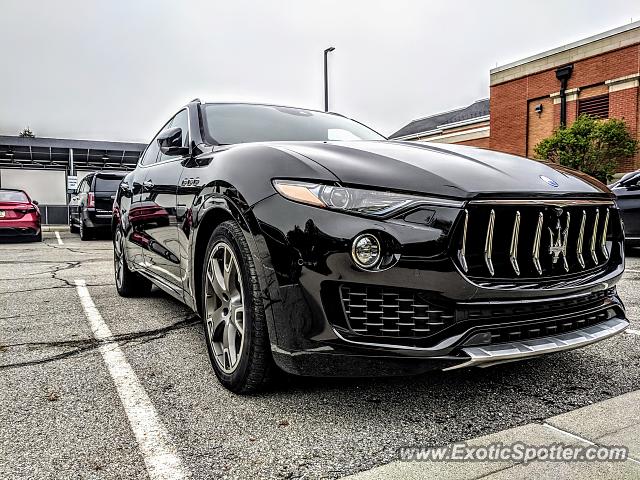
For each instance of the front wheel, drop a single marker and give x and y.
(128, 283)
(233, 314)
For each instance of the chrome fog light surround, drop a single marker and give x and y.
(366, 251)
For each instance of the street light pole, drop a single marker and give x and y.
(326, 79)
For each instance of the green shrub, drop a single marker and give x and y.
(590, 145)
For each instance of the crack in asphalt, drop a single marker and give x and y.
(87, 344)
(54, 275)
(20, 262)
(74, 250)
(55, 287)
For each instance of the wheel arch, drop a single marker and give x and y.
(215, 210)
(211, 218)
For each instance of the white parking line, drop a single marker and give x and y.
(631, 270)
(159, 454)
(632, 331)
(60, 242)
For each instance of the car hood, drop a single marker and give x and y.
(445, 169)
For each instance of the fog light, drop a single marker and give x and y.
(366, 251)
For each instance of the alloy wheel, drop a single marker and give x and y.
(224, 307)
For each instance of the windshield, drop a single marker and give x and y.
(12, 196)
(107, 183)
(242, 123)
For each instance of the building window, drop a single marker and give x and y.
(597, 107)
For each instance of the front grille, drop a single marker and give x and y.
(391, 312)
(534, 240)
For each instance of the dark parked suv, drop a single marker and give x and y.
(627, 190)
(90, 209)
(310, 243)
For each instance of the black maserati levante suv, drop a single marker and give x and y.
(310, 243)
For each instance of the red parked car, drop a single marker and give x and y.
(19, 216)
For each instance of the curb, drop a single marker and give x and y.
(615, 421)
(55, 228)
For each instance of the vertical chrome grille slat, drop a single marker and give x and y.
(581, 239)
(463, 249)
(513, 250)
(536, 244)
(565, 241)
(594, 236)
(603, 239)
(488, 244)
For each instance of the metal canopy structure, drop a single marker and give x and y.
(67, 154)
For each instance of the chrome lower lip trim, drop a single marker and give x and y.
(489, 355)
(560, 202)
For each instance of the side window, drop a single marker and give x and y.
(181, 120)
(633, 181)
(151, 153)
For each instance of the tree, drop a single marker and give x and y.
(590, 145)
(26, 133)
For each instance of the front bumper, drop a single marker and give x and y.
(509, 352)
(304, 253)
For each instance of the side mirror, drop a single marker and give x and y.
(170, 142)
(35, 202)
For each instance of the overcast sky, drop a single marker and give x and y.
(117, 69)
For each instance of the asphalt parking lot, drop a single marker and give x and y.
(60, 414)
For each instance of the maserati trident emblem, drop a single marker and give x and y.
(558, 242)
(549, 181)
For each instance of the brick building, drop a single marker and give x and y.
(600, 76)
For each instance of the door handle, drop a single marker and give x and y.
(148, 184)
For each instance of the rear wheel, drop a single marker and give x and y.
(85, 232)
(128, 283)
(233, 314)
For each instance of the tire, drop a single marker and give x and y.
(128, 283)
(85, 232)
(253, 366)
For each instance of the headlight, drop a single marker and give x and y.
(355, 200)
